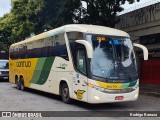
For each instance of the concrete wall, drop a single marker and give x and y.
(141, 22)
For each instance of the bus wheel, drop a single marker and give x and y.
(18, 84)
(22, 84)
(65, 93)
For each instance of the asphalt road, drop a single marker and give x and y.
(12, 99)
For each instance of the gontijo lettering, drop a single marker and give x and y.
(23, 64)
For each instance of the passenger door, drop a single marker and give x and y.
(79, 77)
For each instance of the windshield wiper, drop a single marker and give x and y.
(106, 79)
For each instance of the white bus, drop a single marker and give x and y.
(89, 63)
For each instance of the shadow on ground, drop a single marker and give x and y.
(4, 80)
(87, 106)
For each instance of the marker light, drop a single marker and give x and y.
(96, 97)
(136, 96)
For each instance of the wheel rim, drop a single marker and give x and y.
(65, 93)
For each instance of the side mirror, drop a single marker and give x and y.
(145, 50)
(88, 47)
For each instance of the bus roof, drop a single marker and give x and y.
(91, 29)
(95, 29)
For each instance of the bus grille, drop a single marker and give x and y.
(118, 91)
(5, 72)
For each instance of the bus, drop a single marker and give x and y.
(89, 63)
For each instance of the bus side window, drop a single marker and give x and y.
(29, 50)
(81, 59)
(44, 48)
(50, 46)
(59, 47)
(16, 52)
(12, 53)
(37, 49)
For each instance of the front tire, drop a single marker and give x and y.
(65, 93)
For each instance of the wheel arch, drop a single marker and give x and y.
(60, 85)
(21, 76)
(69, 86)
(16, 78)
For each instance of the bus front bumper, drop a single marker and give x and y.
(96, 96)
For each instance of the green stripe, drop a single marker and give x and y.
(38, 70)
(125, 85)
(132, 83)
(46, 70)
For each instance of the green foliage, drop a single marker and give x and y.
(34, 16)
(66, 12)
(48, 15)
(101, 12)
(21, 22)
(26, 14)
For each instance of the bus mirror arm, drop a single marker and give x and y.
(145, 50)
(88, 47)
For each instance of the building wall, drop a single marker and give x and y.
(141, 22)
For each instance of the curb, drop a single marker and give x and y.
(154, 94)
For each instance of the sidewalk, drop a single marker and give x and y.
(151, 90)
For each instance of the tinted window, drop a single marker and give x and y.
(60, 48)
(51, 46)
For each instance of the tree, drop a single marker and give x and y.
(98, 12)
(21, 22)
(66, 12)
(5, 31)
(47, 16)
(26, 17)
(34, 16)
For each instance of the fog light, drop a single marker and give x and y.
(96, 97)
(136, 96)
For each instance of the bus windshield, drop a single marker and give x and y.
(113, 58)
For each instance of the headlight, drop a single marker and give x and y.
(96, 87)
(136, 96)
(96, 97)
(99, 88)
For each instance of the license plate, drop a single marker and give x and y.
(119, 97)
